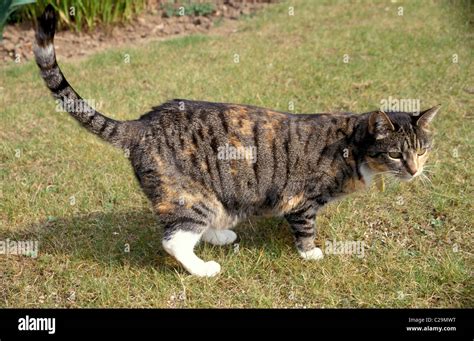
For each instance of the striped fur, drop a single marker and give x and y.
(299, 162)
(108, 129)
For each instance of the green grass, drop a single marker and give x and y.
(410, 258)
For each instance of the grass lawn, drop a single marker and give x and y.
(99, 243)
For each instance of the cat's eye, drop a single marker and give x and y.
(421, 151)
(395, 155)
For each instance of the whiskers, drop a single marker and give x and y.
(425, 180)
(428, 170)
(394, 173)
(388, 178)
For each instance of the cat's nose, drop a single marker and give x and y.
(411, 167)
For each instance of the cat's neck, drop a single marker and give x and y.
(366, 174)
(360, 136)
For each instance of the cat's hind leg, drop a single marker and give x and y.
(219, 237)
(184, 227)
(219, 233)
(180, 242)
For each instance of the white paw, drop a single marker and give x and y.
(219, 237)
(313, 254)
(206, 269)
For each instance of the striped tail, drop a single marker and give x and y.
(108, 129)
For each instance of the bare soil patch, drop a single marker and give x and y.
(18, 39)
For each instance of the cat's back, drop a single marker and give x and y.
(196, 110)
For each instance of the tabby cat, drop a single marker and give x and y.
(206, 166)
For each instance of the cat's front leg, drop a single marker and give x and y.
(303, 227)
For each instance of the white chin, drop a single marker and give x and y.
(408, 177)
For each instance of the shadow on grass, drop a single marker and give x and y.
(131, 237)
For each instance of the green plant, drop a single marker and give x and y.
(7, 7)
(86, 14)
(201, 9)
(196, 9)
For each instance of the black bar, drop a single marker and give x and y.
(126, 322)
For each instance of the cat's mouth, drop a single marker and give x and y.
(407, 177)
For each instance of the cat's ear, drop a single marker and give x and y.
(380, 125)
(423, 121)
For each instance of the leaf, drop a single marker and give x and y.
(7, 7)
(380, 182)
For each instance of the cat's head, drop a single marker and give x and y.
(400, 143)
